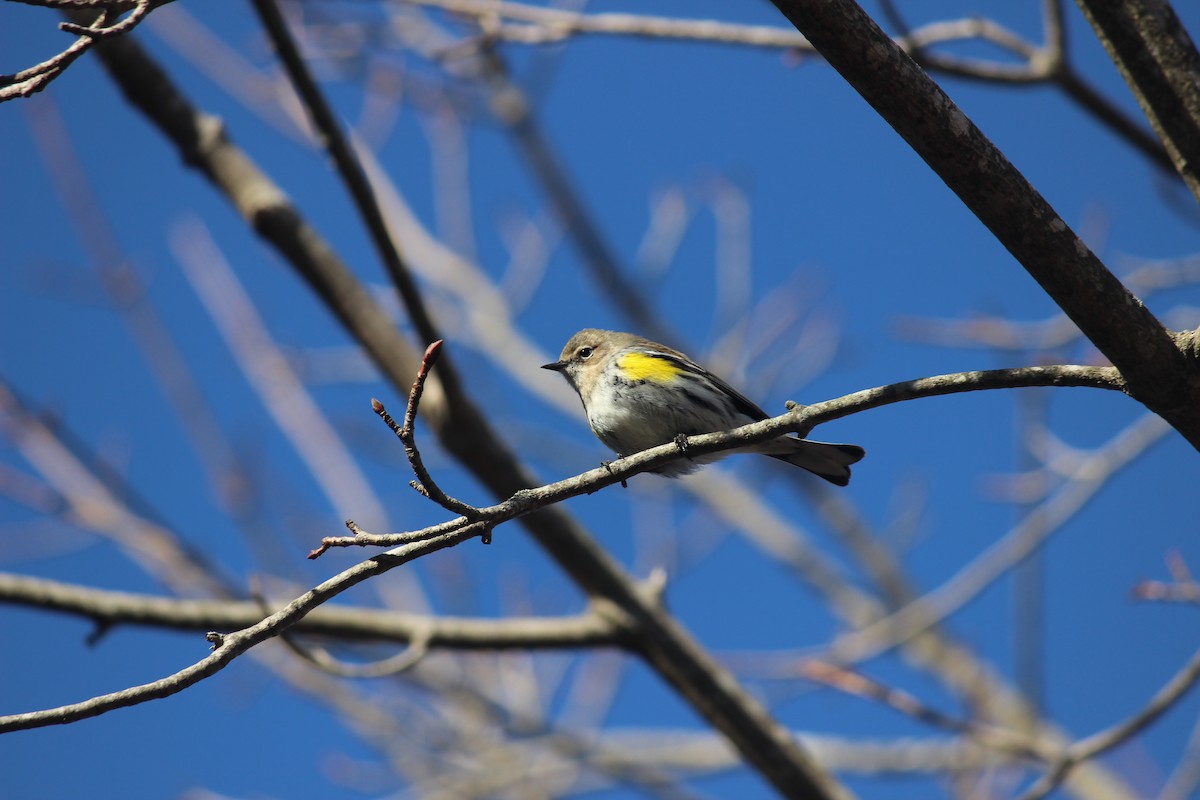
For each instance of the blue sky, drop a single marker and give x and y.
(836, 209)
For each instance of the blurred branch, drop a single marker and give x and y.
(1161, 373)
(845, 680)
(960, 668)
(92, 502)
(513, 109)
(108, 609)
(1183, 780)
(1147, 278)
(543, 25)
(130, 297)
(1011, 549)
(1105, 740)
(704, 753)
(481, 63)
(1038, 64)
(228, 647)
(283, 395)
(1183, 587)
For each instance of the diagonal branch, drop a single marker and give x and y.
(350, 170)
(228, 647)
(1158, 371)
(1157, 58)
(1101, 742)
(424, 484)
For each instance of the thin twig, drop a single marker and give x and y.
(227, 647)
(858, 684)
(403, 661)
(33, 79)
(1183, 587)
(424, 483)
(1011, 549)
(1102, 741)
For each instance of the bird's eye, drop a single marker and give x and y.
(586, 352)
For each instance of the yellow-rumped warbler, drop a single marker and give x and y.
(638, 394)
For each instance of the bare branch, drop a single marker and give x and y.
(403, 661)
(801, 419)
(32, 80)
(545, 25)
(1183, 587)
(342, 623)
(1157, 58)
(1158, 371)
(539, 25)
(350, 170)
(857, 684)
(285, 398)
(1103, 741)
(1010, 550)
(228, 647)
(424, 482)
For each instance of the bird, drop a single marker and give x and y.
(638, 394)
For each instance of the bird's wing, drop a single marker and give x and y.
(740, 401)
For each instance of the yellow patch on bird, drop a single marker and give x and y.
(643, 367)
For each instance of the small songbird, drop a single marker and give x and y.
(638, 394)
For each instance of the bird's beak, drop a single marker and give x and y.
(557, 366)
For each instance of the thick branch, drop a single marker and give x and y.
(1158, 60)
(1157, 372)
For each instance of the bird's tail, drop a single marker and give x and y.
(829, 461)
